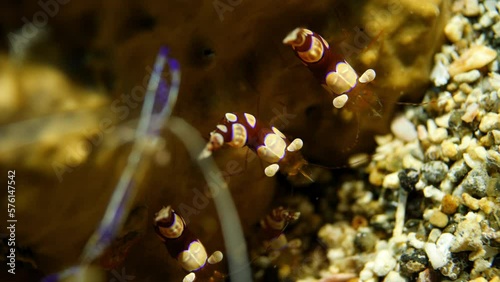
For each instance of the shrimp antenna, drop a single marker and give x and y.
(306, 175)
(417, 104)
(351, 163)
(356, 138)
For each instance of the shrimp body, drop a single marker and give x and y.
(331, 69)
(274, 223)
(273, 226)
(239, 130)
(183, 245)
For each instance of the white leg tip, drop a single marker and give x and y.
(216, 257)
(292, 37)
(340, 101)
(205, 153)
(367, 76)
(271, 170)
(189, 278)
(295, 145)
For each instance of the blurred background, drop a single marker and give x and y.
(72, 77)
